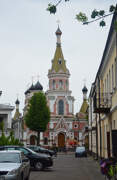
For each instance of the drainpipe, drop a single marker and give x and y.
(100, 120)
(91, 127)
(96, 138)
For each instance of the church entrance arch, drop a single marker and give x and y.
(32, 140)
(61, 140)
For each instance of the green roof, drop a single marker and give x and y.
(58, 63)
(84, 107)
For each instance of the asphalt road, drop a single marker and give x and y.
(67, 167)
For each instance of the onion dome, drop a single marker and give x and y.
(84, 90)
(32, 88)
(38, 86)
(58, 32)
(17, 102)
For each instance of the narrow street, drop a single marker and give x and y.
(67, 167)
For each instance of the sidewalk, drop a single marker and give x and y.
(68, 152)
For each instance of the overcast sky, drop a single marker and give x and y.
(28, 42)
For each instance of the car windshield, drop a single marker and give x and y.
(80, 149)
(31, 151)
(8, 157)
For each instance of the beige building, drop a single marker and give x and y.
(103, 101)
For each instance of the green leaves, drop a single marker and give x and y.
(81, 17)
(101, 13)
(51, 8)
(38, 113)
(102, 23)
(94, 14)
(112, 8)
(9, 140)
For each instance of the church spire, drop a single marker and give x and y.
(58, 35)
(58, 62)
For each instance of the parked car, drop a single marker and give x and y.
(38, 161)
(14, 166)
(40, 149)
(80, 152)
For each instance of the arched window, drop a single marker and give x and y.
(60, 84)
(60, 107)
(53, 84)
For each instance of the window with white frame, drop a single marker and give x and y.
(112, 78)
(107, 83)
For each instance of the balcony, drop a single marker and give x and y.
(102, 103)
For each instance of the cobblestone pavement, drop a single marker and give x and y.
(67, 167)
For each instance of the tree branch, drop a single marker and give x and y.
(98, 18)
(58, 3)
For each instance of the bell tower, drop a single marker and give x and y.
(59, 98)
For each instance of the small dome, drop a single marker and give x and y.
(17, 102)
(38, 86)
(26, 92)
(84, 90)
(32, 88)
(58, 32)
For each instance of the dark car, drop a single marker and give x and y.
(40, 149)
(38, 161)
(80, 152)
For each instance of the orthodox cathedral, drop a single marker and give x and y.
(63, 127)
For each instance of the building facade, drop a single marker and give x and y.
(103, 101)
(64, 128)
(6, 117)
(61, 103)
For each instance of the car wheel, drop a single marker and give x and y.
(38, 166)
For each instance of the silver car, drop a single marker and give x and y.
(14, 166)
